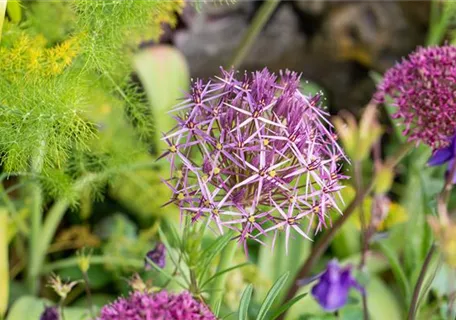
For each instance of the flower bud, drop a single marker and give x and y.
(384, 180)
(446, 236)
(84, 260)
(358, 140)
(61, 288)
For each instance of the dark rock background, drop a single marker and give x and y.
(333, 43)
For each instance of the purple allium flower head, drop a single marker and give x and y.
(444, 155)
(423, 88)
(333, 286)
(154, 306)
(50, 313)
(157, 256)
(255, 155)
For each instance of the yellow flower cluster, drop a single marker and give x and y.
(28, 57)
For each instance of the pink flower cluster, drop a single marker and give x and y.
(155, 306)
(255, 155)
(423, 88)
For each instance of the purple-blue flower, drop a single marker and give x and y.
(155, 306)
(444, 155)
(50, 313)
(157, 256)
(334, 285)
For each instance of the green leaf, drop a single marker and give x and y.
(381, 301)
(271, 296)
(4, 267)
(277, 262)
(169, 233)
(223, 272)
(29, 307)
(351, 313)
(213, 250)
(397, 269)
(164, 74)
(245, 302)
(287, 306)
(168, 276)
(2, 16)
(14, 10)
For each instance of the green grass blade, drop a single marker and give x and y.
(245, 302)
(287, 306)
(271, 296)
(223, 272)
(398, 271)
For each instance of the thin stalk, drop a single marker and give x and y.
(442, 210)
(36, 215)
(90, 304)
(62, 314)
(260, 19)
(54, 216)
(4, 267)
(419, 284)
(442, 199)
(2, 15)
(226, 259)
(94, 260)
(322, 244)
(357, 165)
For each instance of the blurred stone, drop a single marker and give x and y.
(333, 43)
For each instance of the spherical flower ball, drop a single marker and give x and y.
(156, 306)
(423, 89)
(252, 154)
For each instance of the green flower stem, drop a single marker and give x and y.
(441, 16)
(53, 219)
(260, 19)
(2, 15)
(322, 244)
(419, 284)
(94, 260)
(226, 261)
(4, 268)
(57, 211)
(36, 215)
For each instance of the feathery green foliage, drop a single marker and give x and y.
(55, 86)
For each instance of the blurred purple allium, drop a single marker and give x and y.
(444, 155)
(153, 306)
(254, 155)
(333, 286)
(50, 313)
(423, 89)
(157, 256)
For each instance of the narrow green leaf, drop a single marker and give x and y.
(271, 296)
(4, 273)
(213, 250)
(166, 274)
(216, 308)
(2, 15)
(223, 272)
(169, 233)
(398, 271)
(14, 10)
(287, 306)
(245, 302)
(164, 73)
